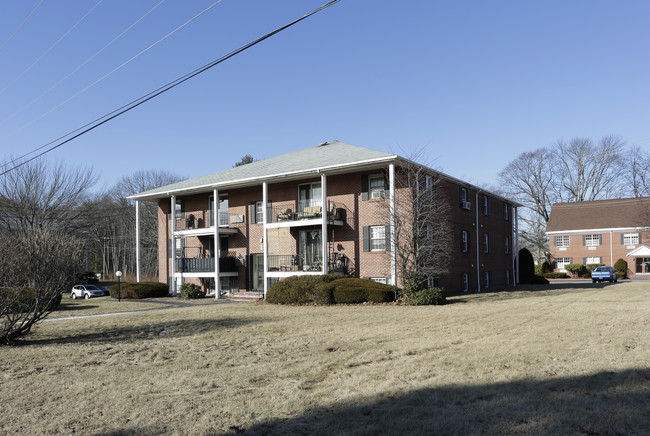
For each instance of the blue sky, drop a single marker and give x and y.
(475, 83)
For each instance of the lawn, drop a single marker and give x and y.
(544, 360)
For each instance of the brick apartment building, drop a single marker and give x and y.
(315, 211)
(604, 231)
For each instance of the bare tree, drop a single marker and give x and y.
(38, 265)
(589, 171)
(421, 236)
(38, 194)
(638, 174)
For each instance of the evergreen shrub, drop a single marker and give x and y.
(302, 290)
(137, 291)
(191, 291)
(621, 268)
(556, 275)
(429, 296)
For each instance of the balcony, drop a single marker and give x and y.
(305, 210)
(200, 219)
(296, 263)
(227, 264)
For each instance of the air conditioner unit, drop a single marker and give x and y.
(378, 194)
(466, 205)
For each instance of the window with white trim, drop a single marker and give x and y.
(592, 240)
(486, 205)
(592, 260)
(562, 241)
(486, 279)
(465, 282)
(259, 212)
(561, 262)
(377, 238)
(486, 243)
(506, 211)
(507, 241)
(383, 280)
(377, 186)
(433, 282)
(630, 239)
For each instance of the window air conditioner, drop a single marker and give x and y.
(466, 205)
(378, 194)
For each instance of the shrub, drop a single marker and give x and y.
(543, 268)
(88, 277)
(621, 267)
(556, 275)
(592, 266)
(430, 296)
(574, 268)
(526, 267)
(302, 290)
(354, 291)
(136, 291)
(191, 291)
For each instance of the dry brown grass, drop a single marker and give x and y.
(563, 361)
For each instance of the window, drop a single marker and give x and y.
(591, 240)
(486, 205)
(464, 241)
(486, 243)
(507, 244)
(562, 241)
(433, 282)
(377, 238)
(592, 260)
(507, 277)
(309, 195)
(180, 209)
(257, 213)
(464, 202)
(383, 280)
(506, 212)
(486, 279)
(631, 239)
(377, 186)
(223, 210)
(561, 262)
(465, 282)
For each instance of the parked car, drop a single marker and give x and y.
(602, 273)
(85, 291)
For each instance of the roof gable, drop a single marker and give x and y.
(604, 214)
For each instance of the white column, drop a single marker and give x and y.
(173, 247)
(325, 208)
(393, 253)
(137, 240)
(216, 254)
(265, 199)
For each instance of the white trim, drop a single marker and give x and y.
(265, 239)
(137, 241)
(217, 246)
(393, 254)
(324, 212)
(172, 213)
(613, 229)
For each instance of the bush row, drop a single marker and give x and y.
(136, 291)
(328, 289)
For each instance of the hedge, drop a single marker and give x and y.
(429, 296)
(137, 291)
(556, 275)
(328, 289)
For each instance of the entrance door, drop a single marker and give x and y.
(310, 250)
(257, 279)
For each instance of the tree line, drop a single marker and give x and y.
(576, 170)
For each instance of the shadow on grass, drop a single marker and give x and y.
(71, 307)
(175, 328)
(604, 403)
(523, 291)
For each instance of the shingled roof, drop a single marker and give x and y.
(599, 215)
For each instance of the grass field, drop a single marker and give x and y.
(546, 360)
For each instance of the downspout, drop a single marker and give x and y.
(324, 211)
(217, 245)
(611, 249)
(137, 240)
(393, 254)
(478, 251)
(265, 199)
(516, 262)
(173, 247)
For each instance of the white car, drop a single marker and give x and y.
(85, 291)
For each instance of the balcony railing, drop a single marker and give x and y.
(200, 219)
(205, 264)
(291, 262)
(304, 210)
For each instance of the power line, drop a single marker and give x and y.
(107, 75)
(21, 25)
(51, 47)
(143, 99)
(79, 67)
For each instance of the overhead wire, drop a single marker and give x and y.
(107, 75)
(170, 85)
(21, 25)
(82, 65)
(57, 42)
